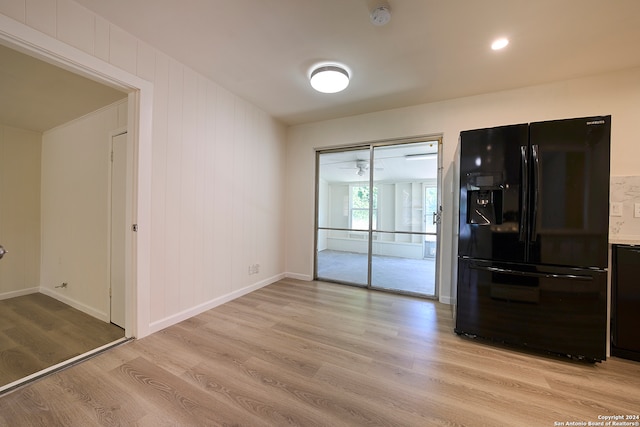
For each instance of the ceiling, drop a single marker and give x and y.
(38, 96)
(263, 51)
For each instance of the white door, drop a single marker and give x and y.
(118, 227)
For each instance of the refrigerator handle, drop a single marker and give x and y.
(524, 190)
(531, 273)
(536, 183)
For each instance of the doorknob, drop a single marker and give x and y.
(2, 251)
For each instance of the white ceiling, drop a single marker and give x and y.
(263, 50)
(431, 50)
(38, 96)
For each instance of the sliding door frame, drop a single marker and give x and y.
(370, 146)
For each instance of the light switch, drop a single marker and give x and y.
(636, 210)
(616, 208)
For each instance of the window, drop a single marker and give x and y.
(360, 202)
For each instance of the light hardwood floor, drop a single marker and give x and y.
(37, 332)
(317, 354)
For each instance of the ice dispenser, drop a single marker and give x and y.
(484, 199)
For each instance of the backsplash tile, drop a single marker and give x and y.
(625, 190)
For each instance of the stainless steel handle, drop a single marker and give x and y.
(437, 216)
(536, 183)
(524, 190)
(531, 273)
(2, 251)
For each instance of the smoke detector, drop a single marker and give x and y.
(381, 15)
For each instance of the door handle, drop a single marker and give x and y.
(531, 273)
(2, 251)
(536, 182)
(524, 166)
(437, 216)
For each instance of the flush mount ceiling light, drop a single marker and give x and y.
(499, 43)
(329, 79)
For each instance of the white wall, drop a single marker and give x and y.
(19, 211)
(617, 94)
(217, 171)
(217, 196)
(75, 209)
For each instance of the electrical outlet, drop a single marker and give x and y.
(616, 209)
(636, 210)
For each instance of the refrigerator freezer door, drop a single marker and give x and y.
(553, 309)
(570, 192)
(490, 193)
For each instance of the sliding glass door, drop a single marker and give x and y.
(377, 215)
(343, 217)
(402, 241)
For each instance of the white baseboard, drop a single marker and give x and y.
(21, 292)
(446, 300)
(100, 315)
(305, 277)
(200, 308)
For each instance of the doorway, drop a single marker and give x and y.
(378, 214)
(139, 116)
(52, 298)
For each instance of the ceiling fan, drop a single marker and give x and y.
(361, 167)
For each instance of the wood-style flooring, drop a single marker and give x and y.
(37, 332)
(317, 354)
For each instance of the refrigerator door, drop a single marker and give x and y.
(569, 202)
(554, 309)
(492, 220)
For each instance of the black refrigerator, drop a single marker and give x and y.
(533, 236)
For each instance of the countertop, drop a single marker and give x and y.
(620, 239)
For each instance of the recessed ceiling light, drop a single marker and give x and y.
(499, 44)
(329, 79)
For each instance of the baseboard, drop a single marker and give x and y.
(305, 277)
(21, 292)
(446, 300)
(100, 315)
(200, 308)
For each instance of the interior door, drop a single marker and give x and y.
(118, 228)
